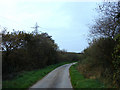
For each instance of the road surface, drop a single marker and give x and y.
(58, 78)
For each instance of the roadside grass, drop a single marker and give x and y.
(28, 78)
(79, 81)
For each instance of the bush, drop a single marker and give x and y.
(116, 62)
(28, 51)
(23, 51)
(97, 59)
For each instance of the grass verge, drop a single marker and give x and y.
(28, 78)
(79, 81)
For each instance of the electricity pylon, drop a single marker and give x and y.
(36, 28)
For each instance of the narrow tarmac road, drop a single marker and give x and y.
(58, 78)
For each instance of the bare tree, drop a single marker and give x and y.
(107, 25)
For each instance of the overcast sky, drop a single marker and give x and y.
(67, 22)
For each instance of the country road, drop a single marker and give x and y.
(58, 78)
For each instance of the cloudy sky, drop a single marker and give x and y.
(66, 21)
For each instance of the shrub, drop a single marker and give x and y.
(97, 59)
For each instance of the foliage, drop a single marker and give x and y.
(22, 51)
(107, 24)
(79, 81)
(100, 51)
(27, 78)
(102, 58)
(116, 62)
(29, 51)
(97, 60)
(67, 56)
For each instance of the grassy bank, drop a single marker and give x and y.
(28, 78)
(79, 81)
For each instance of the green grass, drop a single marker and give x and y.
(79, 81)
(28, 78)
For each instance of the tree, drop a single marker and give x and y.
(27, 51)
(107, 24)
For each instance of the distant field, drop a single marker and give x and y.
(79, 81)
(28, 78)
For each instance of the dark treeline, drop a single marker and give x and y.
(29, 51)
(101, 60)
